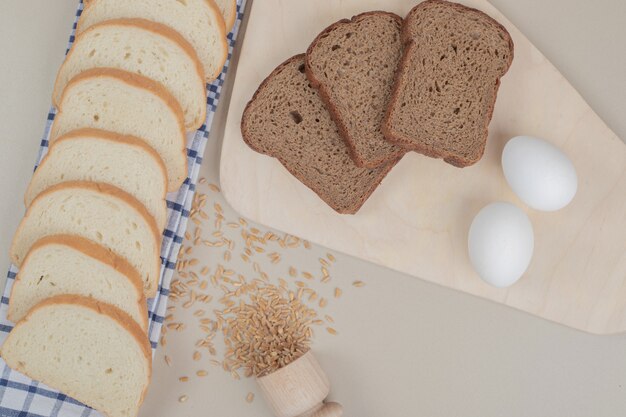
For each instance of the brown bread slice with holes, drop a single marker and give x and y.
(353, 63)
(447, 82)
(287, 119)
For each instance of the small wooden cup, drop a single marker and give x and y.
(299, 390)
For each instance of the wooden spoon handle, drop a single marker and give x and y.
(327, 410)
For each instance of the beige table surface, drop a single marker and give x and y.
(404, 347)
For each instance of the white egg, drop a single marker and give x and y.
(501, 244)
(539, 173)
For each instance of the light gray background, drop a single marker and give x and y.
(476, 358)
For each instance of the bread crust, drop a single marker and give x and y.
(112, 191)
(232, 4)
(153, 27)
(349, 210)
(137, 81)
(362, 199)
(222, 28)
(112, 312)
(107, 136)
(409, 45)
(325, 94)
(209, 3)
(99, 253)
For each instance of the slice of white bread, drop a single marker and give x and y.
(98, 212)
(90, 351)
(64, 264)
(128, 104)
(198, 21)
(100, 156)
(228, 8)
(141, 47)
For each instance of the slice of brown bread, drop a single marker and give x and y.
(447, 83)
(287, 119)
(352, 63)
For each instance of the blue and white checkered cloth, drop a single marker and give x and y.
(22, 397)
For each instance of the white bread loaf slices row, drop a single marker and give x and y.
(96, 155)
(141, 47)
(128, 104)
(89, 350)
(89, 243)
(198, 21)
(99, 212)
(65, 264)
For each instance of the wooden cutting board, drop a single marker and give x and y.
(417, 220)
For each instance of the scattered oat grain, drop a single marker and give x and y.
(265, 326)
